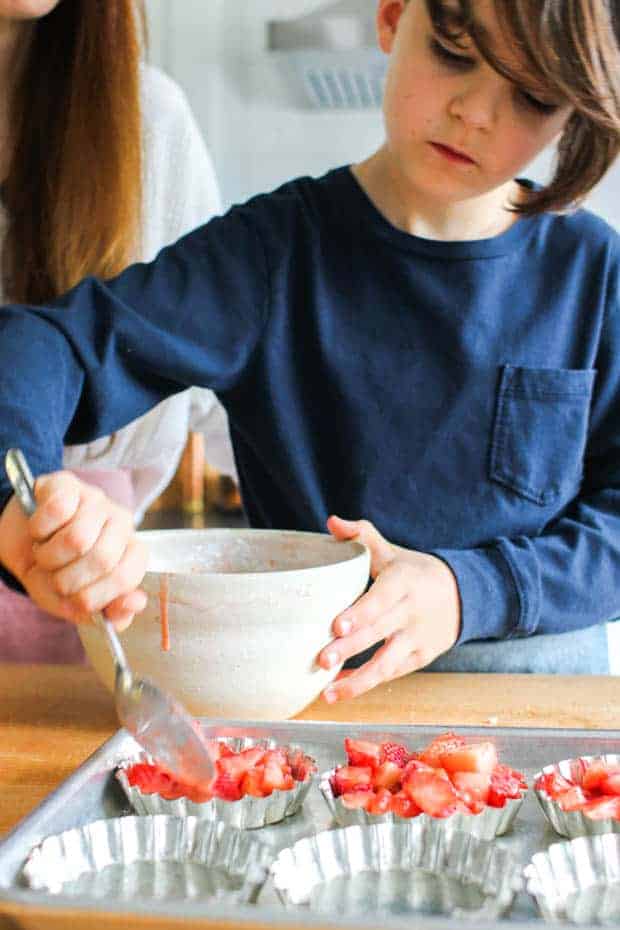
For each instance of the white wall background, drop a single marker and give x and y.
(245, 106)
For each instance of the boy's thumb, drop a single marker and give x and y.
(381, 552)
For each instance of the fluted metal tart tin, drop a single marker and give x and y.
(154, 857)
(406, 867)
(574, 823)
(578, 880)
(489, 823)
(248, 813)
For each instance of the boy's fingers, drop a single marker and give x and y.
(73, 541)
(123, 580)
(98, 562)
(58, 497)
(339, 650)
(122, 610)
(387, 590)
(387, 663)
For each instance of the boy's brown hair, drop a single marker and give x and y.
(73, 192)
(571, 48)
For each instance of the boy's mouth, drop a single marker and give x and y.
(452, 154)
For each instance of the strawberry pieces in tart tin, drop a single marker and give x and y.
(256, 783)
(452, 779)
(581, 796)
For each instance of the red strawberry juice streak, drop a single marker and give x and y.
(163, 613)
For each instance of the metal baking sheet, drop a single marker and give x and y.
(92, 793)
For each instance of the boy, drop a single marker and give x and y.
(414, 341)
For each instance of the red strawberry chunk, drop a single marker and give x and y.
(475, 757)
(357, 799)
(253, 784)
(362, 752)
(227, 787)
(431, 754)
(573, 799)
(380, 802)
(274, 778)
(349, 778)
(553, 784)
(435, 795)
(505, 783)
(596, 774)
(402, 805)
(394, 752)
(611, 784)
(602, 808)
(473, 788)
(388, 775)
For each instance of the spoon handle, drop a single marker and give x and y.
(22, 482)
(21, 479)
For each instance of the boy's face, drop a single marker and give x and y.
(443, 101)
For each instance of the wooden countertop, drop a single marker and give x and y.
(53, 717)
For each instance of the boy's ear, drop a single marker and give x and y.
(389, 13)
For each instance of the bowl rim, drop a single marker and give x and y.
(358, 550)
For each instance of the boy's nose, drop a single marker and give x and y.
(476, 104)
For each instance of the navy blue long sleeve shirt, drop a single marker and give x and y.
(463, 396)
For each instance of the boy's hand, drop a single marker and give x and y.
(413, 605)
(77, 554)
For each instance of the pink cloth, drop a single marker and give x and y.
(28, 634)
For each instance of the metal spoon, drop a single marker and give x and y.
(159, 723)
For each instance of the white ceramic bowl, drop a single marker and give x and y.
(249, 610)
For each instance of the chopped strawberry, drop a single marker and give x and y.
(473, 788)
(505, 783)
(435, 795)
(380, 803)
(553, 784)
(227, 787)
(596, 773)
(602, 808)
(349, 778)
(431, 754)
(356, 799)
(415, 765)
(301, 765)
(573, 799)
(475, 757)
(238, 764)
(394, 752)
(611, 784)
(253, 784)
(362, 752)
(403, 806)
(388, 775)
(274, 778)
(278, 757)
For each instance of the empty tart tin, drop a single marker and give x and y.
(248, 813)
(574, 823)
(489, 823)
(154, 857)
(398, 868)
(577, 880)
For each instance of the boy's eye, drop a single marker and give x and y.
(445, 55)
(535, 104)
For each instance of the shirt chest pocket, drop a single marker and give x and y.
(540, 431)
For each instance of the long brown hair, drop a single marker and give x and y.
(572, 48)
(73, 192)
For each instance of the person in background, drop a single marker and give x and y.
(425, 341)
(102, 164)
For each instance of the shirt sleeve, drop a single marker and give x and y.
(113, 350)
(568, 577)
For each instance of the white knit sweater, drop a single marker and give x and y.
(180, 193)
